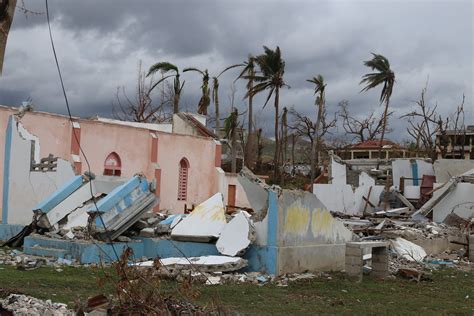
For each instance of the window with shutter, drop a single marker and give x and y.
(183, 180)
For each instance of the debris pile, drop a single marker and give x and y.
(23, 305)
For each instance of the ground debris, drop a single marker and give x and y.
(26, 305)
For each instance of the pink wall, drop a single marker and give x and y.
(202, 178)
(134, 146)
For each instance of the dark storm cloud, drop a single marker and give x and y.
(101, 42)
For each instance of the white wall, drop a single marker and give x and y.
(28, 188)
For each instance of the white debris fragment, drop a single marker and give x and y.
(236, 236)
(204, 223)
(206, 263)
(408, 250)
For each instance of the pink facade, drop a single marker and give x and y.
(136, 148)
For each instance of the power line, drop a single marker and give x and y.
(75, 136)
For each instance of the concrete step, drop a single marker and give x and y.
(46, 252)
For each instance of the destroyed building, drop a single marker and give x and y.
(456, 144)
(43, 151)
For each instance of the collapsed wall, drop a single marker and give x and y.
(27, 179)
(294, 230)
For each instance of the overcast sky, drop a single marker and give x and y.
(100, 43)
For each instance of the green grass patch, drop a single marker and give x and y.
(450, 292)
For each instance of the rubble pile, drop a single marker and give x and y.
(23, 305)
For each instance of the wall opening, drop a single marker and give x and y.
(183, 179)
(113, 165)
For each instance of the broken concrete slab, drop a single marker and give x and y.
(446, 168)
(204, 223)
(204, 263)
(236, 236)
(408, 250)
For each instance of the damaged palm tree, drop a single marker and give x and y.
(320, 91)
(384, 76)
(248, 73)
(230, 127)
(215, 93)
(205, 97)
(165, 67)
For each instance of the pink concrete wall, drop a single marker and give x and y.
(134, 146)
(53, 131)
(202, 177)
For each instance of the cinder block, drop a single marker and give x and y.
(353, 269)
(471, 239)
(351, 251)
(354, 260)
(380, 266)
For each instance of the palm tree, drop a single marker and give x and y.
(165, 67)
(249, 72)
(385, 76)
(215, 93)
(320, 91)
(205, 98)
(231, 125)
(270, 77)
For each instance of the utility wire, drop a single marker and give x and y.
(75, 136)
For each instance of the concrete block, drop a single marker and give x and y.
(354, 260)
(350, 251)
(353, 269)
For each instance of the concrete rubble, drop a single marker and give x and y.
(236, 236)
(205, 222)
(23, 305)
(204, 263)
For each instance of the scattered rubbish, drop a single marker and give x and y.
(408, 250)
(204, 263)
(27, 305)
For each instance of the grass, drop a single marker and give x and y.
(450, 292)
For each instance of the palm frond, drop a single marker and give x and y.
(163, 67)
(193, 69)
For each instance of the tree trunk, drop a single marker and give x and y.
(249, 148)
(383, 131)
(293, 143)
(177, 92)
(315, 148)
(233, 151)
(277, 143)
(7, 10)
(216, 103)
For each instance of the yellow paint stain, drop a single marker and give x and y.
(297, 219)
(213, 212)
(322, 222)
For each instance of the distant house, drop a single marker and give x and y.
(369, 149)
(456, 144)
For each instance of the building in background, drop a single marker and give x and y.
(456, 144)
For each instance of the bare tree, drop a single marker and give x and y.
(425, 123)
(142, 107)
(303, 126)
(368, 128)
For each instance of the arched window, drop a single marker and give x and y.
(113, 165)
(183, 180)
